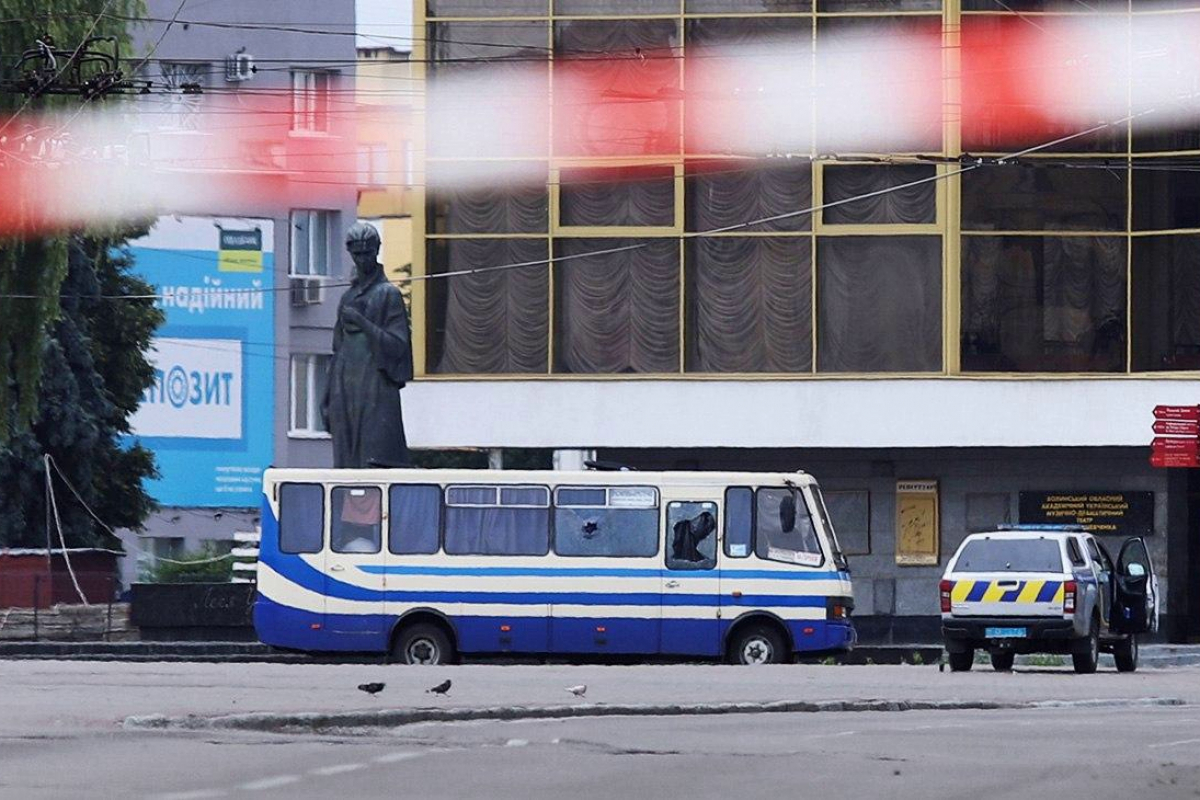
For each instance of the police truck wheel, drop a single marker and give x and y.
(423, 644)
(1086, 656)
(1126, 654)
(1003, 661)
(962, 661)
(757, 644)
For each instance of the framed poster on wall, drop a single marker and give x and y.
(918, 534)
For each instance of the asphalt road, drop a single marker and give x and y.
(60, 736)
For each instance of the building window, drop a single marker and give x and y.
(879, 304)
(310, 242)
(1024, 197)
(310, 100)
(912, 205)
(623, 197)
(617, 312)
(309, 375)
(1043, 304)
(850, 513)
(373, 165)
(1166, 303)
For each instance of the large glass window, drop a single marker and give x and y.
(519, 205)
(310, 100)
(487, 8)
(631, 196)
(479, 69)
(784, 530)
(496, 321)
(310, 242)
(1043, 304)
(614, 521)
(498, 520)
(913, 204)
(721, 193)
(692, 536)
(414, 518)
(356, 524)
(879, 304)
(739, 521)
(1166, 195)
(1166, 303)
(1020, 197)
(301, 517)
(617, 311)
(635, 61)
(749, 304)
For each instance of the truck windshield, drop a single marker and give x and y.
(1010, 555)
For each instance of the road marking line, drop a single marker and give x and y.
(1174, 744)
(336, 769)
(516, 743)
(391, 758)
(270, 783)
(198, 794)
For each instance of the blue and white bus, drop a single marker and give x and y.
(430, 564)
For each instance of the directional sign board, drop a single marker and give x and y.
(1168, 427)
(1183, 413)
(1158, 459)
(1167, 445)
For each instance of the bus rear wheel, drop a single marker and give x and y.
(423, 643)
(757, 644)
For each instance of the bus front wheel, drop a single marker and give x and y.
(757, 644)
(423, 643)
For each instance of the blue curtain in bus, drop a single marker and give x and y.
(413, 520)
(497, 531)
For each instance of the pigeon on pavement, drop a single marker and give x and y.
(441, 688)
(371, 688)
(578, 691)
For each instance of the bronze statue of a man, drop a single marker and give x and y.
(372, 360)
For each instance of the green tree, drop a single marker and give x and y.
(72, 366)
(93, 371)
(38, 266)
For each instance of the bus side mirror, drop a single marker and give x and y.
(1135, 570)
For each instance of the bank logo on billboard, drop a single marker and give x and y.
(208, 416)
(197, 390)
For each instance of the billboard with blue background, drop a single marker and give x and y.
(209, 416)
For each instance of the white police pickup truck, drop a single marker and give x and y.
(1047, 589)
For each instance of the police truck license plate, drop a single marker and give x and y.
(1004, 633)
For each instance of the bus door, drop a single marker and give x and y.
(691, 588)
(353, 582)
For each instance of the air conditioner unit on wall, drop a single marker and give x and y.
(239, 67)
(305, 291)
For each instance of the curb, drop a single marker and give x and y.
(320, 722)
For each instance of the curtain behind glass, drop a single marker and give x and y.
(633, 196)
(879, 304)
(636, 60)
(617, 312)
(750, 304)
(720, 194)
(912, 204)
(500, 208)
(497, 531)
(1020, 197)
(498, 321)
(1043, 304)
(1166, 303)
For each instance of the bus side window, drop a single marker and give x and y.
(785, 529)
(357, 520)
(301, 517)
(739, 522)
(414, 518)
(691, 535)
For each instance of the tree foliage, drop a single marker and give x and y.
(37, 267)
(72, 366)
